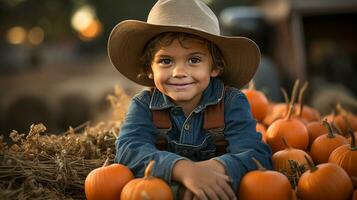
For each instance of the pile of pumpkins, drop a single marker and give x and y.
(325, 146)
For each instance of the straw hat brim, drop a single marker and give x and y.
(128, 38)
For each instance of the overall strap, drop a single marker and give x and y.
(214, 124)
(161, 119)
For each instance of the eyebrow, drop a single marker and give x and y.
(190, 54)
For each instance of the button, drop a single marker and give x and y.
(186, 127)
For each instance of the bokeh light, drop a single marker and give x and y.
(36, 35)
(16, 35)
(92, 31)
(83, 18)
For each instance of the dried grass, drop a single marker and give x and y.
(38, 165)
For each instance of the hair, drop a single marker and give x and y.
(166, 38)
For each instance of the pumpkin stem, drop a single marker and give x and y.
(258, 164)
(312, 166)
(251, 85)
(336, 129)
(353, 139)
(286, 98)
(293, 94)
(301, 98)
(286, 143)
(290, 112)
(328, 126)
(106, 162)
(340, 109)
(148, 169)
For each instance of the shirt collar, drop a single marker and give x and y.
(211, 95)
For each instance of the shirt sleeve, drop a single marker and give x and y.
(244, 141)
(135, 146)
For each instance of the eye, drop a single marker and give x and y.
(164, 61)
(195, 60)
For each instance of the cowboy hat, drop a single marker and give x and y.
(128, 38)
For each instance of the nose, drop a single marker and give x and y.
(179, 71)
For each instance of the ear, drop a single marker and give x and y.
(215, 72)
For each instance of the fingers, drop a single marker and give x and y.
(221, 193)
(227, 190)
(200, 194)
(187, 195)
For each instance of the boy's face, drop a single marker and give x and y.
(183, 73)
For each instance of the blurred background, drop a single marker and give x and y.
(54, 67)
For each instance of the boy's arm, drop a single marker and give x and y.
(244, 141)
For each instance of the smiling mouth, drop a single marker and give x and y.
(180, 86)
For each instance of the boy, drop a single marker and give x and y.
(180, 53)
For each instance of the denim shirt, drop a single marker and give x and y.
(135, 146)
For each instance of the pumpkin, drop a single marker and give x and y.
(107, 182)
(346, 157)
(275, 112)
(147, 188)
(282, 157)
(323, 145)
(293, 130)
(343, 119)
(264, 184)
(278, 110)
(258, 102)
(261, 128)
(315, 129)
(326, 181)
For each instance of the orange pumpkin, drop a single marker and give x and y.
(315, 129)
(293, 130)
(323, 145)
(343, 120)
(148, 187)
(257, 185)
(275, 112)
(310, 114)
(326, 181)
(107, 182)
(282, 157)
(346, 157)
(258, 102)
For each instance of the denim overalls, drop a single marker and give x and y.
(135, 146)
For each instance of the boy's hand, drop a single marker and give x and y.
(201, 181)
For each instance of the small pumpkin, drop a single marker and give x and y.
(346, 157)
(315, 129)
(326, 181)
(107, 182)
(323, 145)
(147, 188)
(282, 157)
(258, 102)
(293, 130)
(264, 184)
